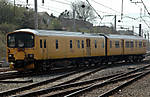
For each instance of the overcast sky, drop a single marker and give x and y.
(103, 7)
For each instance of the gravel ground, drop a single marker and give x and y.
(56, 82)
(98, 91)
(140, 88)
(113, 70)
(6, 86)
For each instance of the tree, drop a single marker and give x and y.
(28, 20)
(65, 14)
(83, 11)
(14, 18)
(55, 24)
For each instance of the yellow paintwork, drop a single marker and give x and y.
(114, 50)
(135, 50)
(123, 50)
(64, 50)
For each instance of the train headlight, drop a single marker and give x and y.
(31, 55)
(10, 55)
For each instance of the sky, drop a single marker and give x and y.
(130, 18)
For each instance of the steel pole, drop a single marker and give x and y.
(36, 15)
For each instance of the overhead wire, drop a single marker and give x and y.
(61, 2)
(145, 7)
(94, 10)
(145, 22)
(105, 6)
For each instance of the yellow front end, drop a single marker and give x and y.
(20, 50)
(21, 58)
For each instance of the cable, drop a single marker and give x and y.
(94, 10)
(145, 7)
(103, 12)
(105, 6)
(145, 22)
(61, 2)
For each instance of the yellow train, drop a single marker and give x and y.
(43, 49)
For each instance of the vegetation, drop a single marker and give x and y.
(11, 19)
(2, 45)
(18, 17)
(83, 11)
(14, 18)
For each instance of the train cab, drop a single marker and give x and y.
(20, 47)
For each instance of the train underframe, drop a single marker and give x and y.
(42, 65)
(88, 61)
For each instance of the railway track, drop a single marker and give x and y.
(5, 69)
(67, 87)
(122, 79)
(74, 89)
(35, 86)
(117, 88)
(14, 74)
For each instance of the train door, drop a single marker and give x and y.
(88, 47)
(122, 46)
(43, 48)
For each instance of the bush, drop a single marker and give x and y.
(4, 28)
(2, 45)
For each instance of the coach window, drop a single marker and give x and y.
(144, 44)
(127, 44)
(103, 44)
(44, 43)
(78, 43)
(122, 44)
(40, 43)
(140, 44)
(132, 44)
(82, 44)
(56, 44)
(70, 43)
(110, 44)
(117, 44)
(95, 44)
(135, 43)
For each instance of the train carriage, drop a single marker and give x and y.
(44, 49)
(30, 49)
(126, 47)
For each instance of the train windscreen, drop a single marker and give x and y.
(20, 40)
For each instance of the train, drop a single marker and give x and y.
(30, 49)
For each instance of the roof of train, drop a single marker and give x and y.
(79, 34)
